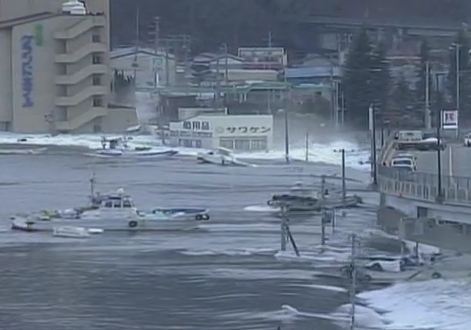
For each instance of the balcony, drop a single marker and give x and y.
(70, 101)
(81, 53)
(88, 23)
(81, 74)
(80, 120)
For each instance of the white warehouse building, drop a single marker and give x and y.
(239, 133)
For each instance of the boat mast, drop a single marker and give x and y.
(92, 186)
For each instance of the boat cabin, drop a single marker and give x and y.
(116, 201)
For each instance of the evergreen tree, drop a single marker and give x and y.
(462, 42)
(380, 78)
(357, 79)
(402, 98)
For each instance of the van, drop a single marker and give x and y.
(404, 163)
(409, 136)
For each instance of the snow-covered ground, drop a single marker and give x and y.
(325, 153)
(435, 304)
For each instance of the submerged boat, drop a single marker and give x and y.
(220, 156)
(303, 199)
(22, 151)
(112, 212)
(119, 147)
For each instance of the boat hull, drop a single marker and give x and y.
(136, 224)
(134, 154)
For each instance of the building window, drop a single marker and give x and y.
(96, 80)
(196, 125)
(96, 38)
(97, 102)
(258, 144)
(242, 145)
(226, 143)
(205, 125)
(187, 125)
(97, 59)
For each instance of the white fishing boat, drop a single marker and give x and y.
(220, 156)
(112, 212)
(119, 148)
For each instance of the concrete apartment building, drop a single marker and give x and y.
(54, 66)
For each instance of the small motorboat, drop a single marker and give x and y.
(119, 148)
(303, 199)
(220, 156)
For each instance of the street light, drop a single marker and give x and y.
(286, 135)
(457, 47)
(344, 188)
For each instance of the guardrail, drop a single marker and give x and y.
(424, 186)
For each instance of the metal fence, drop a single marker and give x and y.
(424, 186)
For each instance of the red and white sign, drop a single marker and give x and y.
(450, 119)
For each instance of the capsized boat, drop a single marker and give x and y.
(119, 148)
(303, 199)
(220, 156)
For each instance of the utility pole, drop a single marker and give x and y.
(344, 188)
(428, 119)
(286, 137)
(458, 51)
(226, 64)
(218, 83)
(439, 157)
(372, 121)
(156, 46)
(353, 287)
(307, 146)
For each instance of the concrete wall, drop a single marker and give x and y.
(6, 107)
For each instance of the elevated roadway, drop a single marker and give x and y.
(412, 207)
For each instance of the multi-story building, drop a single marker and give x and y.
(54, 63)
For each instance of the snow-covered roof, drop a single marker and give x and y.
(131, 51)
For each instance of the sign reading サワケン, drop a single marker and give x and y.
(27, 70)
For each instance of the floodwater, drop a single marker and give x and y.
(229, 274)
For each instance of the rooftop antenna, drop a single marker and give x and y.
(136, 46)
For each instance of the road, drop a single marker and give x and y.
(456, 161)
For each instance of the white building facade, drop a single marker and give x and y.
(238, 133)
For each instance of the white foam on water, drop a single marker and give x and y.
(261, 208)
(322, 287)
(230, 252)
(258, 274)
(438, 304)
(326, 256)
(324, 153)
(365, 318)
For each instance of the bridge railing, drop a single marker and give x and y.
(424, 186)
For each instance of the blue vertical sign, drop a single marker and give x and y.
(27, 71)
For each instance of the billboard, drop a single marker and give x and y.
(450, 119)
